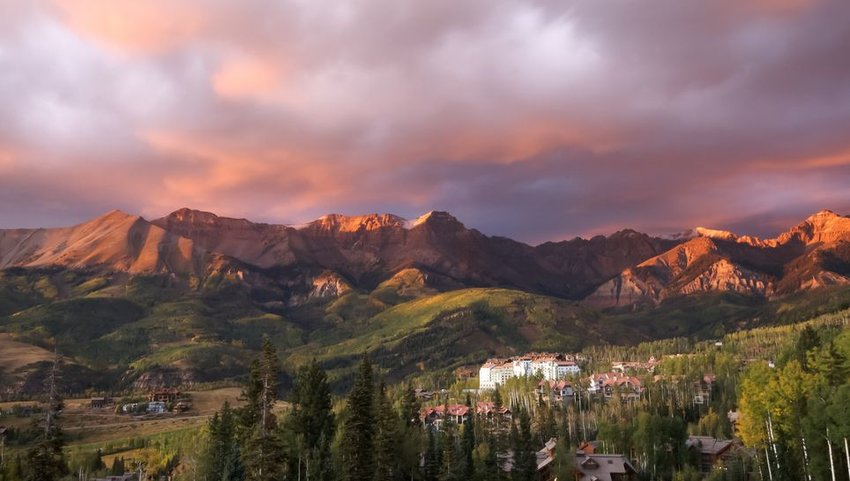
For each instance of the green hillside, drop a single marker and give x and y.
(149, 329)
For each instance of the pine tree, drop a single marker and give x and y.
(264, 457)
(431, 468)
(410, 407)
(312, 416)
(359, 427)
(221, 458)
(312, 421)
(249, 413)
(450, 458)
(492, 468)
(269, 371)
(386, 438)
(45, 461)
(525, 459)
(468, 443)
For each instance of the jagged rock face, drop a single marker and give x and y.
(336, 253)
(366, 250)
(813, 254)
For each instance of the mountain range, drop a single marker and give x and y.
(168, 298)
(337, 253)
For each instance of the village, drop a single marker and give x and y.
(559, 382)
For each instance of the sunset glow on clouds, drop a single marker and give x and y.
(533, 119)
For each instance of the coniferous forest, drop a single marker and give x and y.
(781, 395)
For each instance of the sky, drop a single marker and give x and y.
(537, 120)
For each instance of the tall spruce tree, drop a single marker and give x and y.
(359, 427)
(45, 461)
(264, 454)
(467, 445)
(432, 462)
(410, 407)
(387, 440)
(491, 465)
(313, 422)
(312, 416)
(221, 459)
(525, 459)
(249, 413)
(451, 469)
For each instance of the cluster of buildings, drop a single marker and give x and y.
(495, 372)
(459, 413)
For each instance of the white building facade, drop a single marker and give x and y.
(551, 367)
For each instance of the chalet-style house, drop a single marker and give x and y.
(167, 395)
(488, 410)
(603, 467)
(459, 413)
(434, 416)
(627, 366)
(710, 450)
(610, 382)
(559, 390)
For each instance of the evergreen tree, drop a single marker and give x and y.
(451, 469)
(312, 421)
(249, 413)
(312, 416)
(492, 468)
(432, 461)
(468, 443)
(548, 425)
(264, 457)
(807, 341)
(525, 458)
(221, 459)
(410, 407)
(359, 427)
(386, 438)
(45, 461)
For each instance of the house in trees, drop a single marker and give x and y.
(434, 416)
(709, 450)
(611, 382)
(604, 467)
(487, 409)
(559, 390)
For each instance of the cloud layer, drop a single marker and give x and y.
(533, 119)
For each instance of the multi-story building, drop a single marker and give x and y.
(551, 367)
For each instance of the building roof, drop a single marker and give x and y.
(489, 407)
(453, 410)
(708, 444)
(601, 467)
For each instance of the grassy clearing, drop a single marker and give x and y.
(15, 355)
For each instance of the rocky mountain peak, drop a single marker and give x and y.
(348, 224)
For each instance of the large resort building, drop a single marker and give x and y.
(552, 367)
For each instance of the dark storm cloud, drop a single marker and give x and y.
(536, 120)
